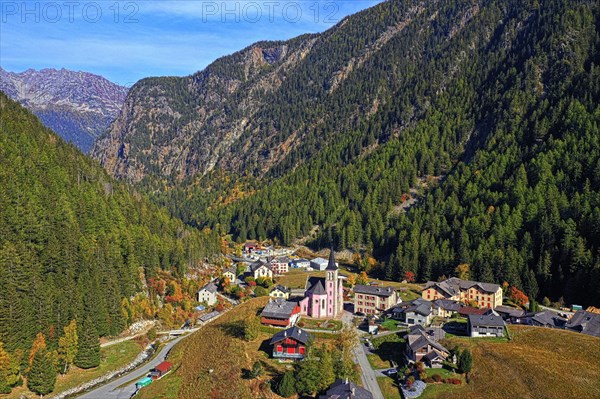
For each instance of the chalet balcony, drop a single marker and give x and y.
(288, 355)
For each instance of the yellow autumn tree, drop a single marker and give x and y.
(67, 345)
(463, 271)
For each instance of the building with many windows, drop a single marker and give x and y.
(370, 299)
(486, 295)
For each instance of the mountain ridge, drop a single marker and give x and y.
(78, 105)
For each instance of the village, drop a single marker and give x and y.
(401, 327)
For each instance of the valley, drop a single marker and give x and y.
(404, 203)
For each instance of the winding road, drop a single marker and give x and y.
(111, 390)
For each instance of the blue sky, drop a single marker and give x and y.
(128, 40)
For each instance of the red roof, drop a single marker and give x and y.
(467, 310)
(164, 367)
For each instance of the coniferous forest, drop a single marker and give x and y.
(501, 124)
(75, 245)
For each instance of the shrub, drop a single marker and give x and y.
(422, 375)
(428, 380)
(410, 381)
(437, 378)
(300, 324)
(260, 291)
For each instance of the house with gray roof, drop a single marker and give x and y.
(422, 346)
(545, 318)
(373, 299)
(510, 314)
(208, 294)
(446, 307)
(490, 325)
(261, 269)
(279, 291)
(281, 313)
(418, 311)
(486, 295)
(290, 344)
(345, 389)
(585, 322)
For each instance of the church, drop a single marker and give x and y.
(324, 296)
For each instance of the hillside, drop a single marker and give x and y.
(79, 106)
(75, 243)
(537, 363)
(494, 102)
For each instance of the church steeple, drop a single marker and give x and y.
(331, 265)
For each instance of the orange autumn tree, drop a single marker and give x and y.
(409, 276)
(517, 296)
(38, 344)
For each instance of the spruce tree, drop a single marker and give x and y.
(88, 350)
(287, 385)
(42, 375)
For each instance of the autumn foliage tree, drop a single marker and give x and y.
(67, 345)
(409, 276)
(518, 297)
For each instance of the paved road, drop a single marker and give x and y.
(111, 390)
(368, 375)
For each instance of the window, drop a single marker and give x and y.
(279, 348)
(302, 350)
(323, 304)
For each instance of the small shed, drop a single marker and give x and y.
(160, 370)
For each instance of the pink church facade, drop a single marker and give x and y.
(323, 297)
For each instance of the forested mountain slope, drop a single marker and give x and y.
(79, 106)
(498, 97)
(74, 242)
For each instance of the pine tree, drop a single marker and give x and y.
(465, 361)
(327, 369)
(287, 385)
(88, 349)
(42, 375)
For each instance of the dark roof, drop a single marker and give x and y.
(231, 269)
(316, 285)
(209, 316)
(281, 288)
(210, 287)
(331, 264)
(417, 338)
(548, 318)
(294, 333)
(486, 321)
(419, 305)
(344, 389)
(279, 309)
(447, 304)
(585, 322)
(510, 311)
(256, 265)
(370, 290)
(453, 285)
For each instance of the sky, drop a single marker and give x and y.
(125, 41)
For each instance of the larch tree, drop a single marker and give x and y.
(68, 345)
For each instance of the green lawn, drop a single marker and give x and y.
(388, 347)
(113, 358)
(316, 324)
(389, 388)
(390, 325)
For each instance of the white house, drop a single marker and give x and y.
(208, 294)
(261, 269)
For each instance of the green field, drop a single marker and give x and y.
(113, 358)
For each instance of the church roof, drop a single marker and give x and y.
(316, 285)
(331, 264)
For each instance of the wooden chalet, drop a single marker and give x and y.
(290, 344)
